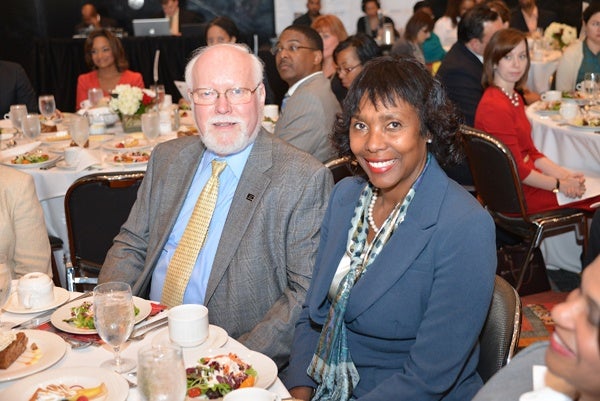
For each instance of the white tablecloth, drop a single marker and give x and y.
(577, 150)
(541, 71)
(94, 355)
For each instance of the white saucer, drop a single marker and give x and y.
(217, 337)
(64, 166)
(60, 297)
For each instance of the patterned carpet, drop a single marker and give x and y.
(537, 322)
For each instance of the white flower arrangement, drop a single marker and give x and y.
(560, 35)
(129, 100)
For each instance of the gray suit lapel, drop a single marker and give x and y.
(248, 195)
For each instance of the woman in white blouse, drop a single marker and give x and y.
(447, 26)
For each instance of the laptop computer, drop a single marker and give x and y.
(151, 27)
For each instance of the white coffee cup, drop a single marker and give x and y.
(85, 104)
(569, 110)
(251, 394)
(188, 324)
(552, 96)
(71, 155)
(35, 290)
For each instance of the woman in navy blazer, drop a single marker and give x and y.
(411, 320)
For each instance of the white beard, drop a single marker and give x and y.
(227, 144)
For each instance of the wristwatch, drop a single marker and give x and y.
(557, 187)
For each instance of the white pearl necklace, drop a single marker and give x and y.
(514, 98)
(370, 213)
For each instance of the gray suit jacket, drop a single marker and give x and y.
(308, 117)
(266, 252)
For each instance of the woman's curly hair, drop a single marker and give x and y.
(385, 80)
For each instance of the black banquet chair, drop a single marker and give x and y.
(96, 206)
(499, 337)
(499, 189)
(342, 167)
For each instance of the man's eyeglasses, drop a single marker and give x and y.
(347, 70)
(289, 49)
(209, 96)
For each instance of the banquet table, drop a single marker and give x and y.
(93, 355)
(541, 71)
(577, 149)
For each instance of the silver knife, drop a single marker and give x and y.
(149, 326)
(45, 316)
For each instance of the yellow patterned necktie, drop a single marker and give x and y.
(183, 261)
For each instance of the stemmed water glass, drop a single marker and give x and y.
(161, 372)
(79, 130)
(47, 106)
(5, 284)
(591, 84)
(150, 126)
(114, 317)
(31, 126)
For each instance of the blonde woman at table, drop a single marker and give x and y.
(23, 235)
(391, 312)
(104, 54)
(583, 55)
(501, 113)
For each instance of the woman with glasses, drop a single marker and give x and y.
(583, 55)
(572, 356)
(105, 56)
(350, 55)
(392, 312)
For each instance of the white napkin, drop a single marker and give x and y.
(86, 159)
(19, 149)
(592, 188)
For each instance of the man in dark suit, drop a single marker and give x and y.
(178, 16)
(254, 268)
(309, 107)
(528, 17)
(15, 88)
(461, 70)
(314, 8)
(90, 20)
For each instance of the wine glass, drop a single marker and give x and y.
(80, 130)
(150, 126)
(47, 106)
(5, 284)
(31, 126)
(161, 372)
(591, 82)
(114, 318)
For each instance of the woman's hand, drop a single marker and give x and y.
(573, 186)
(302, 393)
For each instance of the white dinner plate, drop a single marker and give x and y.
(217, 337)
(127, 165)
(7, 133)
(87, 377)
(60, 297)
(264, 366)
(62, 165)
(7, 162)
(584, 127)
(64, 312)
(115, 145)
(50, 349)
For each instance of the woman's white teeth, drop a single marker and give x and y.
(382, 164)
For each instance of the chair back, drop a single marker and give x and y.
(494, 172)
(499, 337)
(342, 167)
(96, 206)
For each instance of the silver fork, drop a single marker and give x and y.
(141, 336)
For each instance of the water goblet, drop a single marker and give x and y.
(161, 372)
(47, 106)
(31, 126)
(95, 95)
(5, 285)
(79, 130)
(592, 82)
(151, 126)
(114, 317)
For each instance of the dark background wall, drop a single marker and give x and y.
(22, 21)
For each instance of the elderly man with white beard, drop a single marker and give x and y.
(254, 266)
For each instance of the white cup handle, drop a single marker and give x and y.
(7, 116)
(578, 86)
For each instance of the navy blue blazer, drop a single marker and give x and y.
(414, 318)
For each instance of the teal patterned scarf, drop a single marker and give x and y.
(332, 366)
